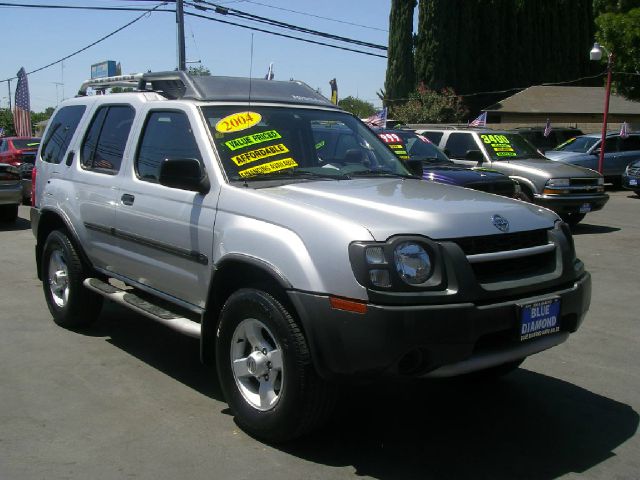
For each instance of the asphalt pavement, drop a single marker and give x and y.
(128, 398)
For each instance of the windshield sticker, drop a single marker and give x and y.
(259, 154)
(397, 146)
(320, 144)
(238, 121)
(500, 145)
(34, 144)
(242, 142)
(390, 138)
(268, 167)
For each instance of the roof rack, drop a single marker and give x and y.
(178, 85)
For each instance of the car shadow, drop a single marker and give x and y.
(527, 425)
(586, 228)
(19, 225)
(635, 196)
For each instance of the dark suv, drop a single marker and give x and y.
(558, 135)
(569, 190)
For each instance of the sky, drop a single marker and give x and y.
(34, 37)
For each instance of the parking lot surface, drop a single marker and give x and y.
(128, 398)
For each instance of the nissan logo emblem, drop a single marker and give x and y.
(500, 223)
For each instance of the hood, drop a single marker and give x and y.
(453, 175)
(560, 154)
(391, 206)
(545, 168)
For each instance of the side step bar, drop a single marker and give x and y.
(139, 305)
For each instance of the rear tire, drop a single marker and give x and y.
(8, 213)
(265, 369)
(70, 303)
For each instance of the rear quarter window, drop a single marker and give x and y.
(61, 129)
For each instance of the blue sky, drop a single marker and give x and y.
(36, 37)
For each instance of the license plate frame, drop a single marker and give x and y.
(633, 182)
(585, 208)
(539, 318)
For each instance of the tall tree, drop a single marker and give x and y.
(400, 79)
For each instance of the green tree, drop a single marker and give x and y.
(359, 108)
(430, 106)
(400, 78)
(619, 32)
(6, 122)
(199, 71)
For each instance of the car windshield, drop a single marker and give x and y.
(577, 144)
(508, 146)
(24, 143)
(409, 145)
(266, 143)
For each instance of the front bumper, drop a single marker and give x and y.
(416, 340)
(10, 194)
(562, 204)
(631, 182)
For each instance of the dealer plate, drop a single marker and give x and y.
(585, 208)
(539, 318)
(633, 181)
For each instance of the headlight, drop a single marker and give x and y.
(413, 263)
(558, 182)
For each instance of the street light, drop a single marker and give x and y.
(596, 55)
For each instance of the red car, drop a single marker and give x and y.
(18, 150)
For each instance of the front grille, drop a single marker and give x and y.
(506, 189)
(501, 242)
(584, 185)
(584, 181)
(508, 269)
(634, 171)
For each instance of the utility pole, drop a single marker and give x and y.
(182, 64)
(9, 86)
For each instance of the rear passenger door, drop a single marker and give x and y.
(165, 234)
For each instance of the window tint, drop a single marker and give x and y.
(435, 137)
(63, 126)
(103, 146)
(3, 146)
(459, 143)
(629, 144)
(166, 135)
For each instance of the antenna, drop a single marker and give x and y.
(250, 69)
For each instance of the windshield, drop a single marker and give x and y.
(410, 145)
(24, 143)
(256, 143)
(508, 146)
(578, 144)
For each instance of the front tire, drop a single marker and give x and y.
(573, 218)
(70, 303)
(8, 213)
(265, 370)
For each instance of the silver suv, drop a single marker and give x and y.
(226, 209)
(569, 190)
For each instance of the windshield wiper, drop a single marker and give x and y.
(295, 174)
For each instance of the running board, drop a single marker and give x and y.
(139, 305)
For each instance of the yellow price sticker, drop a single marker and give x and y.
(248, 140)
(238, 121)
(268, 167)
(259, 154)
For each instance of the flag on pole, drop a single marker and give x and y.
(481, 121)
(624, 130)
(334, 91)
(1, 132)
(379, 119)
(22, 108)
(547, 129)
(269, 75)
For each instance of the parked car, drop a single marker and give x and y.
(10, 192)
(26, 172)
(569, 190)
(435, 166)
(631, 177)
(298, 264)
(18, 150)
(585, 152)
(558, 135)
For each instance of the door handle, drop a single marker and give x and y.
(70, 158)
(127, 199)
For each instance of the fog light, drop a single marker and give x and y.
(375, 255)
(380, 278)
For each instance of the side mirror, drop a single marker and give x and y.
(185, 174)
(415, 167)
(596, 152)
(475, 155)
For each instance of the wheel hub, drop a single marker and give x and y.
(258, 364)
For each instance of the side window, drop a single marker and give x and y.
(435, 137)
(630, 143)
(611, 144)
(63, 126)
(105, 141)
(459, 143)
(167, 134)
(3, 146)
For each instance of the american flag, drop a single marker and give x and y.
(1, 132)
(547, 128)
(22, 110)
(481, 121)
(270, 74)
(379, 119)
(624, 130)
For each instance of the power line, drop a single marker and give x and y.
(147, 12)
(276, 23)
(283, 35)
(80, 7)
